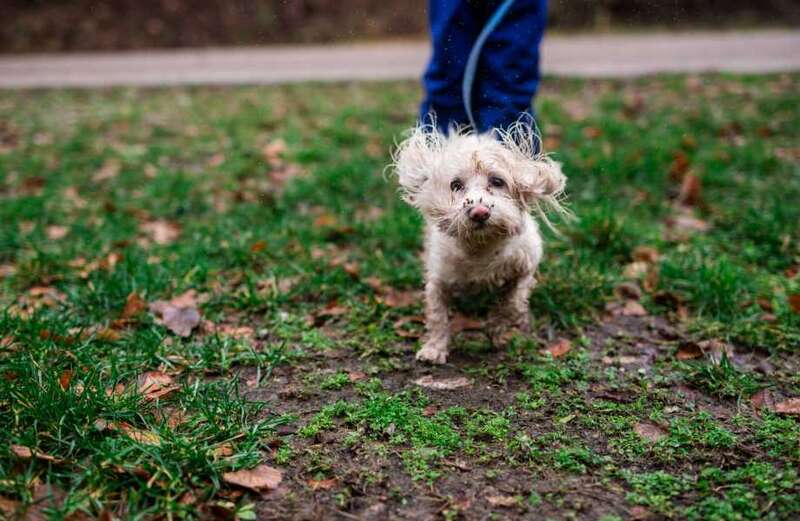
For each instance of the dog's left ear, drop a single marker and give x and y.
(540, 179)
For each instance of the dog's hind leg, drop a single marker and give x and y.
(437, 324)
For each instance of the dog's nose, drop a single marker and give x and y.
(479, 213)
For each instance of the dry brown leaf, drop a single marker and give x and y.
(273, 152)
(155, 384)
(558, 348)
(649, 431)
(444, 384)
(134, 306)
(633, 308)
(259, 479)
(794, 303)
(321, 484)
(7, 270)
(645, 254)
(65, 379)
(326, 220)
(21, 452)
(502, 501)
(405, 332)
(715, 349)
(790, 406)
(399, 299)
(679, 167)
(56, 232)
(636, 270)
(689, 352)
(138, 435)
(161, 231)
(691, 190)
(179, 315)
(109, 170)
(628, 290)
(762, 400)
(9, 507)
(355, 376)
(682, 224)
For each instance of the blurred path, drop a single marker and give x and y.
(579, 55)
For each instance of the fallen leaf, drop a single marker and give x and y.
(26, 453)
(7, 270)
(109, 170)
(138, 435)
(155, 384)
(649, 431)
(355, 376)
(679, 166)
(400, 299)
(134, 306)
(628, 290)
(56, 232)
(261, 478)
(790, 406)
(715, 349)
(404, 332)
(21, 452)
(762, 400)
(689, 352)
(690, 192)
(65, 379)
(645, 254)
(794, 303)
(558, 348)
(633, 308)
(680, 225)
(326, 220)
(445, 384)
(502, 501)
(9, 507)
(162, 232)
(636, 270)
(321, 484)
(179, 315)
(273, 151)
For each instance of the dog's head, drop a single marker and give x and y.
(477, 187)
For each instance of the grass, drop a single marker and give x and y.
(274, 207)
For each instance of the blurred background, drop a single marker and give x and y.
(80, 25)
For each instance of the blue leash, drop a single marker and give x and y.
(474, 54)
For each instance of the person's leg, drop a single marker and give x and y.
(507, 75)
(454, 26)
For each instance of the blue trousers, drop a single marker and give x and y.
(507, 73)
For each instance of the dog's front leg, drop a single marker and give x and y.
(437, 324)
(512, 311)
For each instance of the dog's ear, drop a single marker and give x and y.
(415, 160)
(540, 179)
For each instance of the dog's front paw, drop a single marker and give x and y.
(433, 353)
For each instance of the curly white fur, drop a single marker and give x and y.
(476, 193)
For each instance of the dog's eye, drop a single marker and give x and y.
(456, 185)
(496, 182)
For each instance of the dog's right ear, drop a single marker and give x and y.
(415, 160)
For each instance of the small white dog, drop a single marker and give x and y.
(476, 192)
